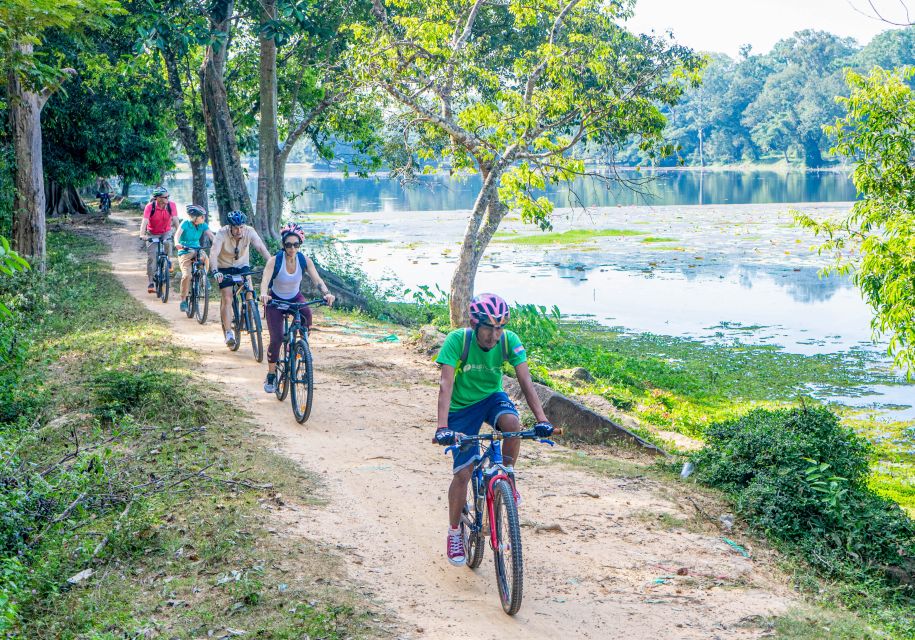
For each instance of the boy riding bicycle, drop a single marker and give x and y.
(470, 393)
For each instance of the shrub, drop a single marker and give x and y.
(800, 476)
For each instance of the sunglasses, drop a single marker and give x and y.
(292, 245)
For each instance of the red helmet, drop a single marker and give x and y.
(489, 309)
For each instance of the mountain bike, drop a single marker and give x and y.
(491, 499)
(162, 277)
(294, 363)
(245, 314)
(198, 296)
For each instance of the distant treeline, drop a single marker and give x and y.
(773, 106)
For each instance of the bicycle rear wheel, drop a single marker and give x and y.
(509, 564)
(301, 380)
(473, 540)
(202, 291)
(253, 320)
(282, 376)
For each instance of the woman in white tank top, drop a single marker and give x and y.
(286, 286)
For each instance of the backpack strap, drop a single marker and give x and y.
(465, 351)
(278, 263)
(503, 342)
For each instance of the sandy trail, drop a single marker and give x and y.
(368, 439)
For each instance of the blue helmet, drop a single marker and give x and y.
(237, 218)
(196, 211)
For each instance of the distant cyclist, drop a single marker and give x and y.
(229, 256)
(470, 393)
(282, 281)
(187, 241)
(160, 219)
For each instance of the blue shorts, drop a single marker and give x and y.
(469, 420)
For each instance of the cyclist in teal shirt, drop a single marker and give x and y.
(470, 393)
(187, 241)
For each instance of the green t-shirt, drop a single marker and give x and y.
(481, 375)
(190, 235)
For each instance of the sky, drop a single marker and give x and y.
(725, 25)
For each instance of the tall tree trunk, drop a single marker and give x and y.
(222, 146)
(488, 212)
(268, 136)
(187, 132)
(125, 187)
(29, 231)
(278, 197)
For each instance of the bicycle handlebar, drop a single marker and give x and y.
(463, 440)
(285, 306)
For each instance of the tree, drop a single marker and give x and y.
(512, 90)
(306, 91)
(112, 120)
(30, 82)
(222, 145)
(878, 132)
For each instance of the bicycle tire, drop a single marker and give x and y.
(301, 380)
(282, 380)
(507, 554)
(191, 299)
(164, 280)
(255, 330)
(236, 324)
(202, 303)
(473, 541)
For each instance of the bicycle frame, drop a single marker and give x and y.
(488, 469)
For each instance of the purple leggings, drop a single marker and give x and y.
(275, 324)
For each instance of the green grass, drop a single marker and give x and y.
(169, 473)
(573, 236)
(368, 241)
(652, 239)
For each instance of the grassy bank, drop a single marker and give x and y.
(136, 499)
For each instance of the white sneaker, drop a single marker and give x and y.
(230, 338)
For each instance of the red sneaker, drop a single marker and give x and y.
(150, 288)
(455, 548)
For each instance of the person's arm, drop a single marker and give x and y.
(259, 245)
(178, 237)
(143, 223)
(265, 279)
(445, 389)
(319, 283)
(530, 394)
(214, 256)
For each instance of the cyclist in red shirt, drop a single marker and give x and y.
(160, 219)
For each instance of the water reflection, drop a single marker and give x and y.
(320, 192)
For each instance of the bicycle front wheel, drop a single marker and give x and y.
(301, 380)
(237, 324)
(509, 564)
(282, 376)
(191, 299)
(202, 292)
(473, 540)
(164, 280)
(254, 330)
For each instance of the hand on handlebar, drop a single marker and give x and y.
(444, 436)
(219, 276)
(329, 299)
(543, 429)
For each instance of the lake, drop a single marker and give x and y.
(713, 255)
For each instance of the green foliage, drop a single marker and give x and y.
(773, 105)
(801, 477)
(878, 132)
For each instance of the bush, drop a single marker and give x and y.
(800, 476)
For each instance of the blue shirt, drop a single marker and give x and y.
(190, 235)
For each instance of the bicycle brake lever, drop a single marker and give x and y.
(450, 447)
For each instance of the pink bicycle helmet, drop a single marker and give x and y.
(292, 229)
(488, 309)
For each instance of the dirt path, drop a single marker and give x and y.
(368, 438)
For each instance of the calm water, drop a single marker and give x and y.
(325, 192)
